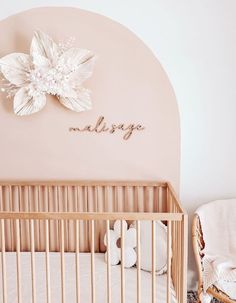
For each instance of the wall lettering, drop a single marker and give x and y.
(101, 126)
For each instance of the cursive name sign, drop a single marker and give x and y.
(101, 126)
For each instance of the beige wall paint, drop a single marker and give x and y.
(195, 43)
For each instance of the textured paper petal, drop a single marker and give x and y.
(84, 72)
(130, 238)
(44, 46)
(79, 103)
(25, 104)
(16, 67)
(117, 227)
(41, 61)
(74, 57)
(79, 63)
(68, 92)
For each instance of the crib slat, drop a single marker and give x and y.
(77, 261)
(48, 280)
(174, 261)
(153, 261)
(18, 262)
(11, 222)
(40, 226)
(122, 262)
(62, 262)
(108, 262)
(138, 263)
(184, 242)
(180, 253)
(155, 198)
(179, 260)
(32, 246)
(36, 209)
(168, 261)
(181, 284)
(27, 222)
(92, 263)
(3, 259)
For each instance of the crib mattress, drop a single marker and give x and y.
(85, 280)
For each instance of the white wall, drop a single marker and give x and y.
(196, 43)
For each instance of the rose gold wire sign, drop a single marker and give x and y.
(74, 216)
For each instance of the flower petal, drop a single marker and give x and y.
(74, 57)
(114, 256)
(117, 227)
(130, 257)
(15, 68)
(66, 91)
(113, 238)
(26, 104)
(41, 61)
(79, 103)
(79, 63)
(44, 46)
(130, 238)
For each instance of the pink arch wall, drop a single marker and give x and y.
(128, 85)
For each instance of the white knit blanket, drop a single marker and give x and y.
(218, 221)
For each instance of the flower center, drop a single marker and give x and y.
(49, 80)
(118, 243)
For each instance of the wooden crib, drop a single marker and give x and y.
(72, 217)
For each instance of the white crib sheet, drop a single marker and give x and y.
(85, 284)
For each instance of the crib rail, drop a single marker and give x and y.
(91, 216)
(61, 229)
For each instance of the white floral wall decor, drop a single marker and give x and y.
(50, 68)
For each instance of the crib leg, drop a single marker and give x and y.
(199, 293)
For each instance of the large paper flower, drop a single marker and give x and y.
(49, 69)
(130, 256)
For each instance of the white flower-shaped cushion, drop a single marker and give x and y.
(130, 256)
